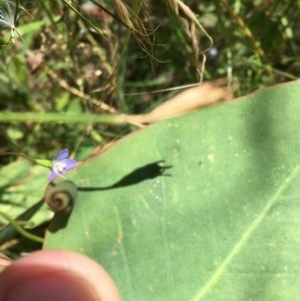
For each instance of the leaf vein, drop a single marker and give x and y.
(218, 273)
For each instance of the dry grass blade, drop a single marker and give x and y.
(190, 25)
(202, 95)
(129, 16)
(101, 106)
(122, 12)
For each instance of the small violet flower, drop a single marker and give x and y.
(213, 52)
(61, 164)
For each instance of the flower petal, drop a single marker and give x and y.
(53, 175)
(63, 154)
(70, 163)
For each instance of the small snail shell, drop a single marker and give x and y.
(61, 197)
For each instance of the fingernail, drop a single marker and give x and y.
(53, 286)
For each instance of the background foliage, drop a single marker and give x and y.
(77, 58)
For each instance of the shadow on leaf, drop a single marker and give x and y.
(146, 172)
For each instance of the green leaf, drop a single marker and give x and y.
(221, 222)
(21, 187)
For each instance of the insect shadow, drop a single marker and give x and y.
(146, 172)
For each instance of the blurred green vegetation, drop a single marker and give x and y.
(111, 56)
(77, 59)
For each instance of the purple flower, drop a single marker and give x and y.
(61, 164)
(213, 52)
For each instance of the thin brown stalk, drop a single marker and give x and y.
(97, 103)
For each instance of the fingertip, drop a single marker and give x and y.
(59, 274)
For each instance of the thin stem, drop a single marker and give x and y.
(18, 154)
(21, 230)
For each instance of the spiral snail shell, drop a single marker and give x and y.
(61, 197)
